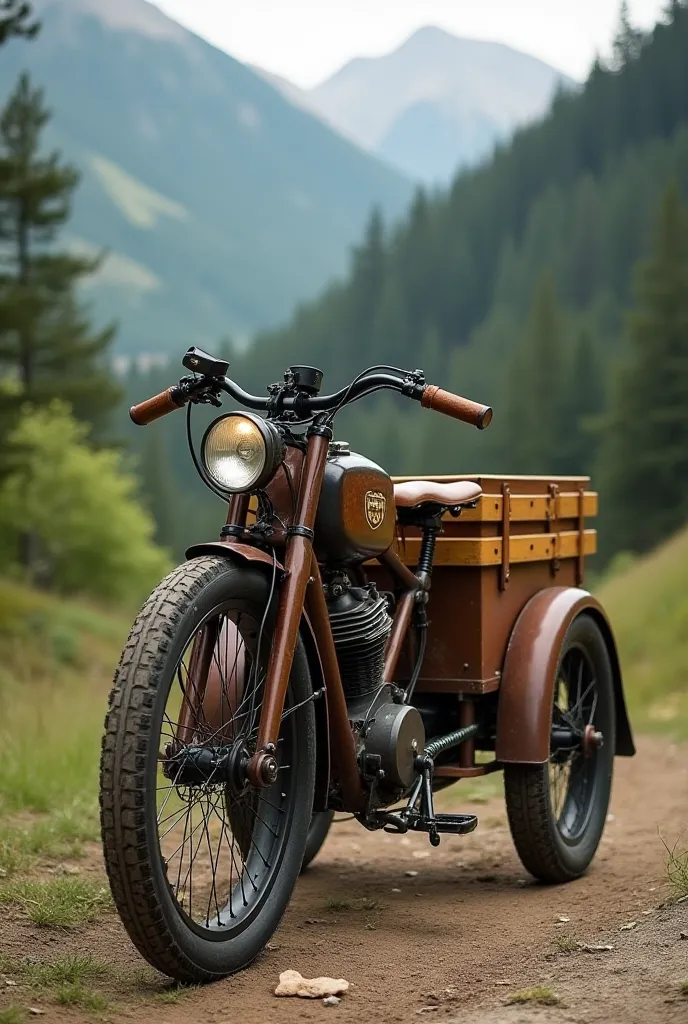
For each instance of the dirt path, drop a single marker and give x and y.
(453, 939)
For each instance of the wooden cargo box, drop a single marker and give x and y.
(524, 534)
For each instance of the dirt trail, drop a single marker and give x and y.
(452, 941)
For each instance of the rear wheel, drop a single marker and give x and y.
(317, 834)
(557, 810)
(201, 864)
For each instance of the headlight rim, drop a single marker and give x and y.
(274, 452)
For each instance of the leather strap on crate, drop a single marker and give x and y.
(580, 562)
(553, 526)
(505, 571)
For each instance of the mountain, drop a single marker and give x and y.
(221, 203)
(438, 102)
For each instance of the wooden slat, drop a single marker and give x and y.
(528, 507)
(479, 551)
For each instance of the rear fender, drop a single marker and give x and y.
(527, 687)
(246, 554)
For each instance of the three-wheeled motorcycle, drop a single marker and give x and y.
(349, 643)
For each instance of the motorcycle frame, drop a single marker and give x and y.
(301, 593)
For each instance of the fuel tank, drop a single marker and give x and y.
(356, 514)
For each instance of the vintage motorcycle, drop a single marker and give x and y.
(348, 644)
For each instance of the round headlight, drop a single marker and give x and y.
(241, 452)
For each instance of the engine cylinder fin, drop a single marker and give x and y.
(360, 628)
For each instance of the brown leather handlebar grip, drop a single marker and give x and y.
(154, 408)
(459, 408)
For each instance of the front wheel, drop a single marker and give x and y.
(201, 864)
(557, 810)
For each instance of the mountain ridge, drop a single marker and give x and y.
(235, 203)
(436, 103)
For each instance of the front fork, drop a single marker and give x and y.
(262, 766)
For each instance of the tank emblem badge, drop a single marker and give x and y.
(375, 506)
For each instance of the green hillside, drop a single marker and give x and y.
(222, 204)
(648, 606)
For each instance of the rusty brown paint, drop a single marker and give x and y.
(452, 771)
(237, 510)
(342, 744)
(356, 486)
(530, 667)
(467, 748)
(282, 492)
(400, 625)
(390, 559)
(224, 689)
(234, 548)
(297, 563)
(202, 649)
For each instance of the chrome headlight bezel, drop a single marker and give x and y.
(273, 446)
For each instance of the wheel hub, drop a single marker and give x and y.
(211, 765)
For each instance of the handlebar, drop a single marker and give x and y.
(479, 416)
(207, 388)
(157, 407)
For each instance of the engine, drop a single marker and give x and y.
(389, 732)
(360, 627)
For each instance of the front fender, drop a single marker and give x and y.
(246, 553)
(233, 549)
(530, 666)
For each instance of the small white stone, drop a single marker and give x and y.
(331, 1001)
(411, 874)
(395, 890)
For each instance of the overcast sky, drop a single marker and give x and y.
(307, 40)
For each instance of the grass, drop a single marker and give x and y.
(566, 943)
(72, 969)
(677, 869)
(76, 994)
(358, 903)
(63, 979)
(57, 836)
(58, 903)
(540, 995)
(11, 1015)
(56, 663)
(648, 606)
(174, 993)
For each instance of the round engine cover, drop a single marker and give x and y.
(397, 734)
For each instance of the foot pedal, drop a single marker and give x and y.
(456, 824)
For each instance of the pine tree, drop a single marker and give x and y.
(628, 41)
(646, 453)
(46, 340)
(583, 401)
(16, 19)
(367, 279)
(534, 408)
(158, 489)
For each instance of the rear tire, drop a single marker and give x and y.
(178, 937)
(317, 834)
(557, 825)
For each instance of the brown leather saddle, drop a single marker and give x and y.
(426, 498)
